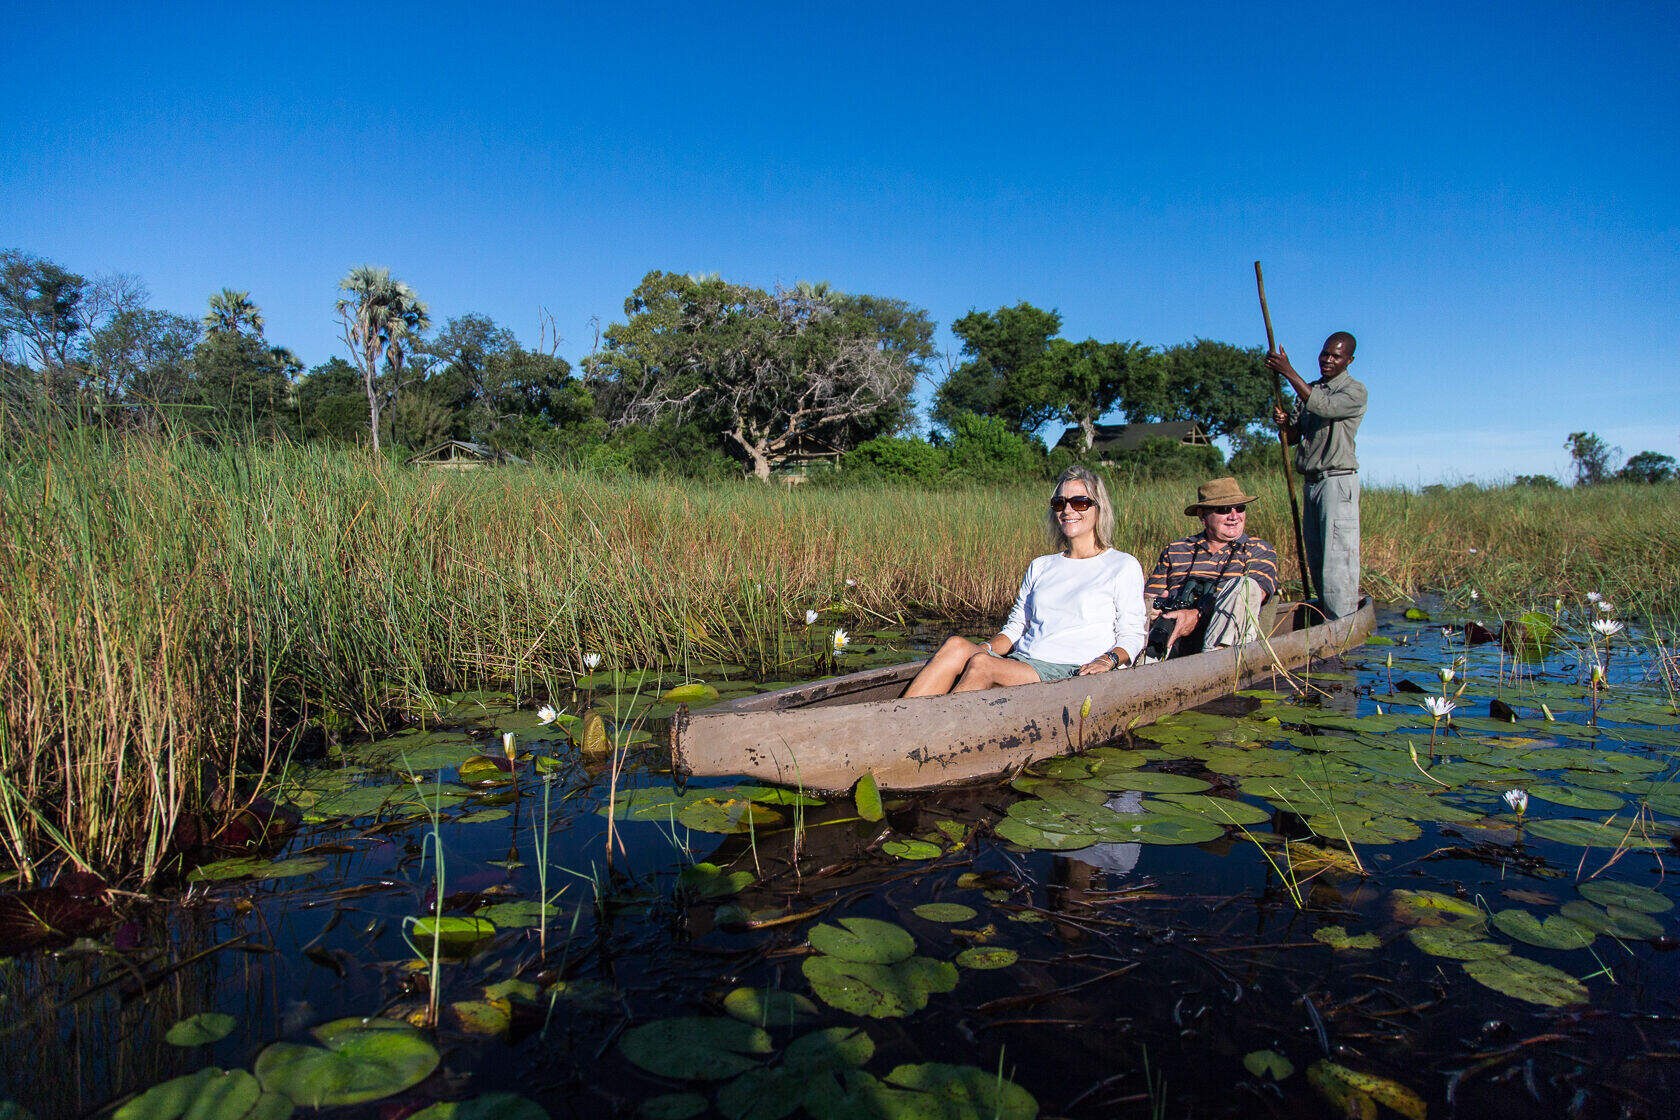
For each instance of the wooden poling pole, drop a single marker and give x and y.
(1283, 444)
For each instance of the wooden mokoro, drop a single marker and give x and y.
(825, 735)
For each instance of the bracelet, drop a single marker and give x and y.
(1114, 657)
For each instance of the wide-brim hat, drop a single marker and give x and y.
(1219, 492)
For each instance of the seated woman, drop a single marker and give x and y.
(1080, 609)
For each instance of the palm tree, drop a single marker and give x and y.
(379, 315)
(230, 310)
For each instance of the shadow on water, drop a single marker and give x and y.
(1120, 962)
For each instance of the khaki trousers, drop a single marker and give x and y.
(1236, 614)
(1330, 524)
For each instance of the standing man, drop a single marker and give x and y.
(1321, 426)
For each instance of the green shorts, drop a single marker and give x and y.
(1047, 670)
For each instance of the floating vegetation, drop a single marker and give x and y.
(1221, 898)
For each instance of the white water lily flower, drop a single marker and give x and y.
(1474, 594)
(1607, 626)
(1517, 799)
(590, 660)
(1445, 673)
(510, 743)
(1438, 706)
(810, 617)
(851, 583)
(546, 714)
(1593, 596)
(1605, 606)
(841, 639)
(1598, 672)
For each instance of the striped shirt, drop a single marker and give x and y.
(1182, 559)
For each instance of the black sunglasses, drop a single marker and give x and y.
(1079, 502)
(1222, 510)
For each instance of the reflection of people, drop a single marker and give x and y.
(1079, 611)
(1322, 426)
(1238, 571)
(1118, 860)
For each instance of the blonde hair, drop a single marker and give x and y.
(1105, 509)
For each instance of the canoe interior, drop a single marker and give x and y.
(889, 682)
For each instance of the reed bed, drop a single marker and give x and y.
(172, 614)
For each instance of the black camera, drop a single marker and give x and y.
(1195, 592)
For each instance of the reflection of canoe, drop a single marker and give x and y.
(826, 734)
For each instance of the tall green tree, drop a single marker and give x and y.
(1005, 374)
(141, 361)
(241, 383)
(1223, 387)
(233, 312)
(382, 319)
(1649, 467)
(497, 391)
(775, 374)
(41, 319)
(1591, 456)
(1093, 378)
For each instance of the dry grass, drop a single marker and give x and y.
(173, 613)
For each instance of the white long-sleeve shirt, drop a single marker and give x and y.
(1072, 611)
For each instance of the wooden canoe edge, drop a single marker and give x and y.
(955, 740)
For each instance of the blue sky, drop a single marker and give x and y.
(1485, 195)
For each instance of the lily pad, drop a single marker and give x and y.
(1432, 908)
(1150, 781)
(964, 1092)
(708, 880)
(695, 1048)
(726, 815)
(1219, 810)
(520, 914)
(1629, 896)
(912, 849)
(1029, 836)
(1554, 932)
(1613, 833)
(1172, 828)
(1455, 943)
(834, 1048)
(1525, 979)
(689, 693)
(1363, 828)
(455, 934)
(209, 1094)
(1337, 937)
(768, 1007)
(1576, 797)
(1355, 1093)
(200, 1029)
(763, 1094)
(489, 1106)
(1631, 925)
(878, 990)
(865, 940)
(257, 869)
(987, 957)
(358, 1060)
(867, 796)
(1268, 1063)
(947, 912)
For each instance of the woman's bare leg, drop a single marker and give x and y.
(943, 668)
(985, 671)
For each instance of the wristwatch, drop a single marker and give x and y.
(1114, 657)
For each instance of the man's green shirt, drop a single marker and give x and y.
(1328, 420)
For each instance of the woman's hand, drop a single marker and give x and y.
(1100, 664)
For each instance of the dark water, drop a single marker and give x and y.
(1145, 972)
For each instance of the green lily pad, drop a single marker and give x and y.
(357, 801)
(1218, 810)
(1432, 908)
(209, 1094)
(523, 913)
(1613, 833)
(1525, 979)
(1629, 896)
(867, 797)
(1169, 828)
(1577, 798)
(673, 1106)
(987, 957)
(1554, 932)
(1337, 937)
(200, 1029)
(455, 934)
(831, 1049)
(695, 1048)
(708, 880)
(763, 1094)
(1455, 943)
(483, 816)
(257, 869)
(1363, 828)
(963, 1093)
(489, 1106)
(878, 990)
(1631, 925)
(768, 1007)
(912, 849)
(1150, 781)
(947, 912)
(358, 1060)
(1029, 836)
(689, 693)
(1268, 1063)
(727, 815)
(866, 940)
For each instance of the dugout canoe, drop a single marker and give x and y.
(825, 735)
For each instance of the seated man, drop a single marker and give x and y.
(1209, 587)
